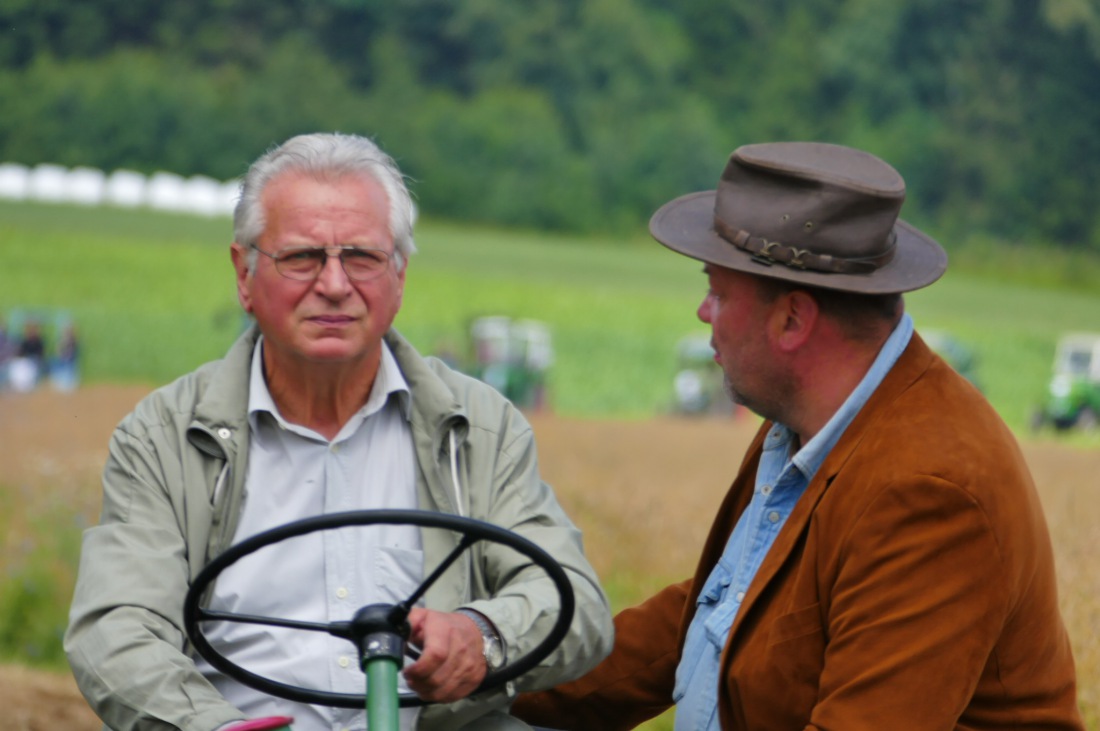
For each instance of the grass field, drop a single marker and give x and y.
(152, 295)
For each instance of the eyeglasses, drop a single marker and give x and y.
(304, 263)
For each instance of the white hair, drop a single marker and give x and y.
(326, 156)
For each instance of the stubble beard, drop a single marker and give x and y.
(771, 403)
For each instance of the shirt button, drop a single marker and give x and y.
(773, 517)
(766, 489)
(224, 433)
(740, 596)
(335, 448)
(343, 662)
(341, 593)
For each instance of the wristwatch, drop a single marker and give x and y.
(492, 647)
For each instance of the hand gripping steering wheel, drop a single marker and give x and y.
(378, 630)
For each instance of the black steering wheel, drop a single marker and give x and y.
(376, 629)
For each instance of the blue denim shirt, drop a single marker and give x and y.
(781, 478)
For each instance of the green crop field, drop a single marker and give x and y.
(152, 295)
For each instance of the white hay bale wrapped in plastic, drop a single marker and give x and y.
(125, 188)
(14, 181)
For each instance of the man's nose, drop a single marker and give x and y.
(703, 312)
(332, 272)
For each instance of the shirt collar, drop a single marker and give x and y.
(389, 382)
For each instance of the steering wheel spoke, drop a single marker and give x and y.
(211, 615)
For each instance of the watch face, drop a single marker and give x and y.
(494, 654)
(492, 648)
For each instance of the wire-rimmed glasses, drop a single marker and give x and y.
(304, 263)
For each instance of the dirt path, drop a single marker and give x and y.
(643, 492)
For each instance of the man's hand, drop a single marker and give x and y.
(452, 659)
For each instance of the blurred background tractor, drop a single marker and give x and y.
(514, 357)
(698, 387)
(1073, 395)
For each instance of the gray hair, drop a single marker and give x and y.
(326, 156)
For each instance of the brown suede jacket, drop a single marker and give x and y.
(912, 587)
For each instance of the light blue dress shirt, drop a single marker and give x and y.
(781, 478)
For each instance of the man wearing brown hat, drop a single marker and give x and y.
(881, 560)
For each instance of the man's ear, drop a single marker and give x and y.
(239, 255)
(795, 316)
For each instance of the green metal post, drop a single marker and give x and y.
(382, 706)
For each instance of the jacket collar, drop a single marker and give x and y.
(434, 407)
(223, 403)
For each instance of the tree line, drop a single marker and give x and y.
(581, 115)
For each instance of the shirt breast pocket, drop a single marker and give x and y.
(398, 572)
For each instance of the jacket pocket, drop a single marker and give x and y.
(793, 661)
(775, 678)
(801, 623)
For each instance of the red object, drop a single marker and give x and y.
(271, 723)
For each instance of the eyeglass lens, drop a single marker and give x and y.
(307, 263)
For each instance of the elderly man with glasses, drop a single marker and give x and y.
(320, 408)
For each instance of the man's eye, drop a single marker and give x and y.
(303, 255)
(364, 256)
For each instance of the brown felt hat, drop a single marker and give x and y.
(807, 212)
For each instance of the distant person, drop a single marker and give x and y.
(320, 407)
(27, 366)
(7, 351)
(881, 560)
(64, 367)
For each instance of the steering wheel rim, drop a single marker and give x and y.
(471, 531)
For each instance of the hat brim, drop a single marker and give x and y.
(686, 225)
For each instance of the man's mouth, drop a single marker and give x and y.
(331, 320)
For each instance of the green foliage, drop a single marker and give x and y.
(145, 111)
(581, 115)
(38, 570)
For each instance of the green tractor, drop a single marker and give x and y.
(513, 356)
(1073, 396)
